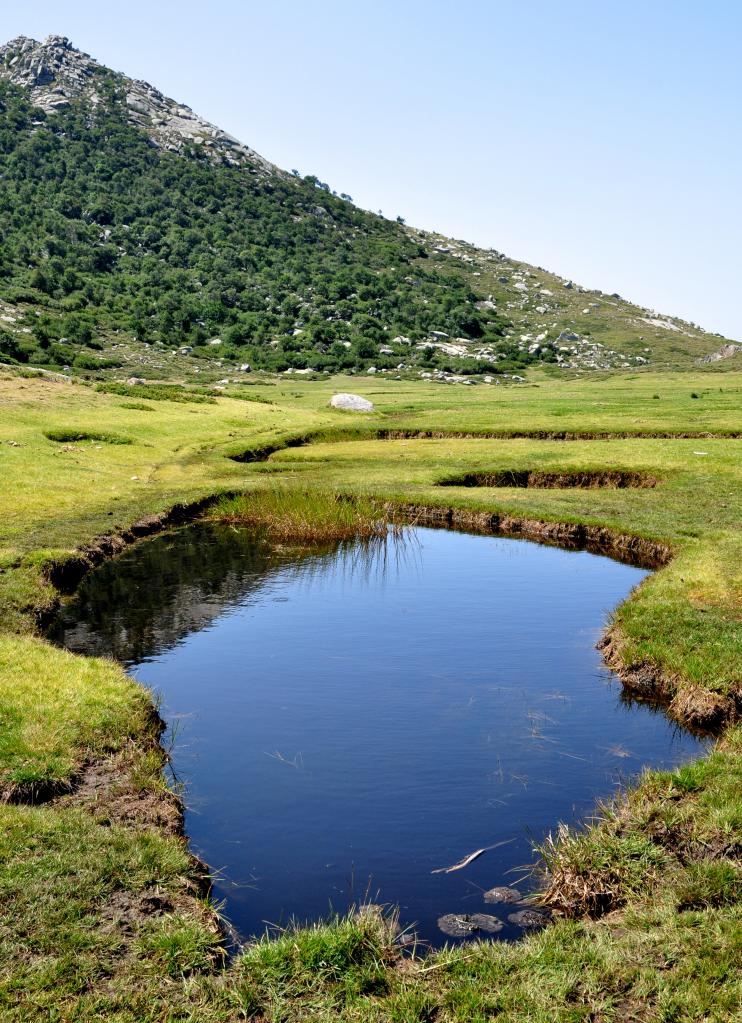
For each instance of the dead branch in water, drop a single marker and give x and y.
(470, 858)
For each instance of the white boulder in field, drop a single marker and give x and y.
(351, 403)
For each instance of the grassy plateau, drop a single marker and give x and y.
(104, 915)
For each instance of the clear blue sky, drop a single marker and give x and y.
(600, 140)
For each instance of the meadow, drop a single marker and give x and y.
(104, 913)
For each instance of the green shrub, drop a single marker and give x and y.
(71, 436)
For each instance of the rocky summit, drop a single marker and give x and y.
(54, 73)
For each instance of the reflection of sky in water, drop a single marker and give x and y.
(347, 724)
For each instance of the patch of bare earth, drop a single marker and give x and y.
(608, 479)
(108, 790)
(111, 791)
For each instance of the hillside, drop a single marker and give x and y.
(138, 238)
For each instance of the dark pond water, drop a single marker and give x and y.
(348, 722)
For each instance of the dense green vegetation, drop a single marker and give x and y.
(158, 392)
(102, 231)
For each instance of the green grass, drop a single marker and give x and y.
(658, 871)
(292, 515)
(678, 831)
(86, 709)
(157, 392)
(71, 436)
(74, 888)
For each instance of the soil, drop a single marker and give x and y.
(699, 710)
(107, 789)
(611, 479)
(550, 435)
(35, 792)
(635, 550)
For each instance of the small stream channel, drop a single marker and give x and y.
(348, 721)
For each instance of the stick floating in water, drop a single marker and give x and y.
(470, 858)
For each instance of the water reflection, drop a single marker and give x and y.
(166, 588)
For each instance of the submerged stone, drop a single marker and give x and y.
(502, 894)
(487, 922)
(462, 925)
(528, 919)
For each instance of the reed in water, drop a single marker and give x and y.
(305, 516)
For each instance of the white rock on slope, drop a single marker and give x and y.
(351, 403)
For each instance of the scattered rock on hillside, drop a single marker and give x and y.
(665, 324)
(725, 352)
(351, 403)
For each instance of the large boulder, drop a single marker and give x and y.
(351, 403)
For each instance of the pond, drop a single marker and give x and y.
(349, 721)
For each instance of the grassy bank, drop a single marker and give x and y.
(103, 913)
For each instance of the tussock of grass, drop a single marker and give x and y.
(345, 958)
(138, 406)
(157, 392)
(303, 516)
(708, 884)
(179, 946)
(71, 436)
(596, 871)
(678, 830)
